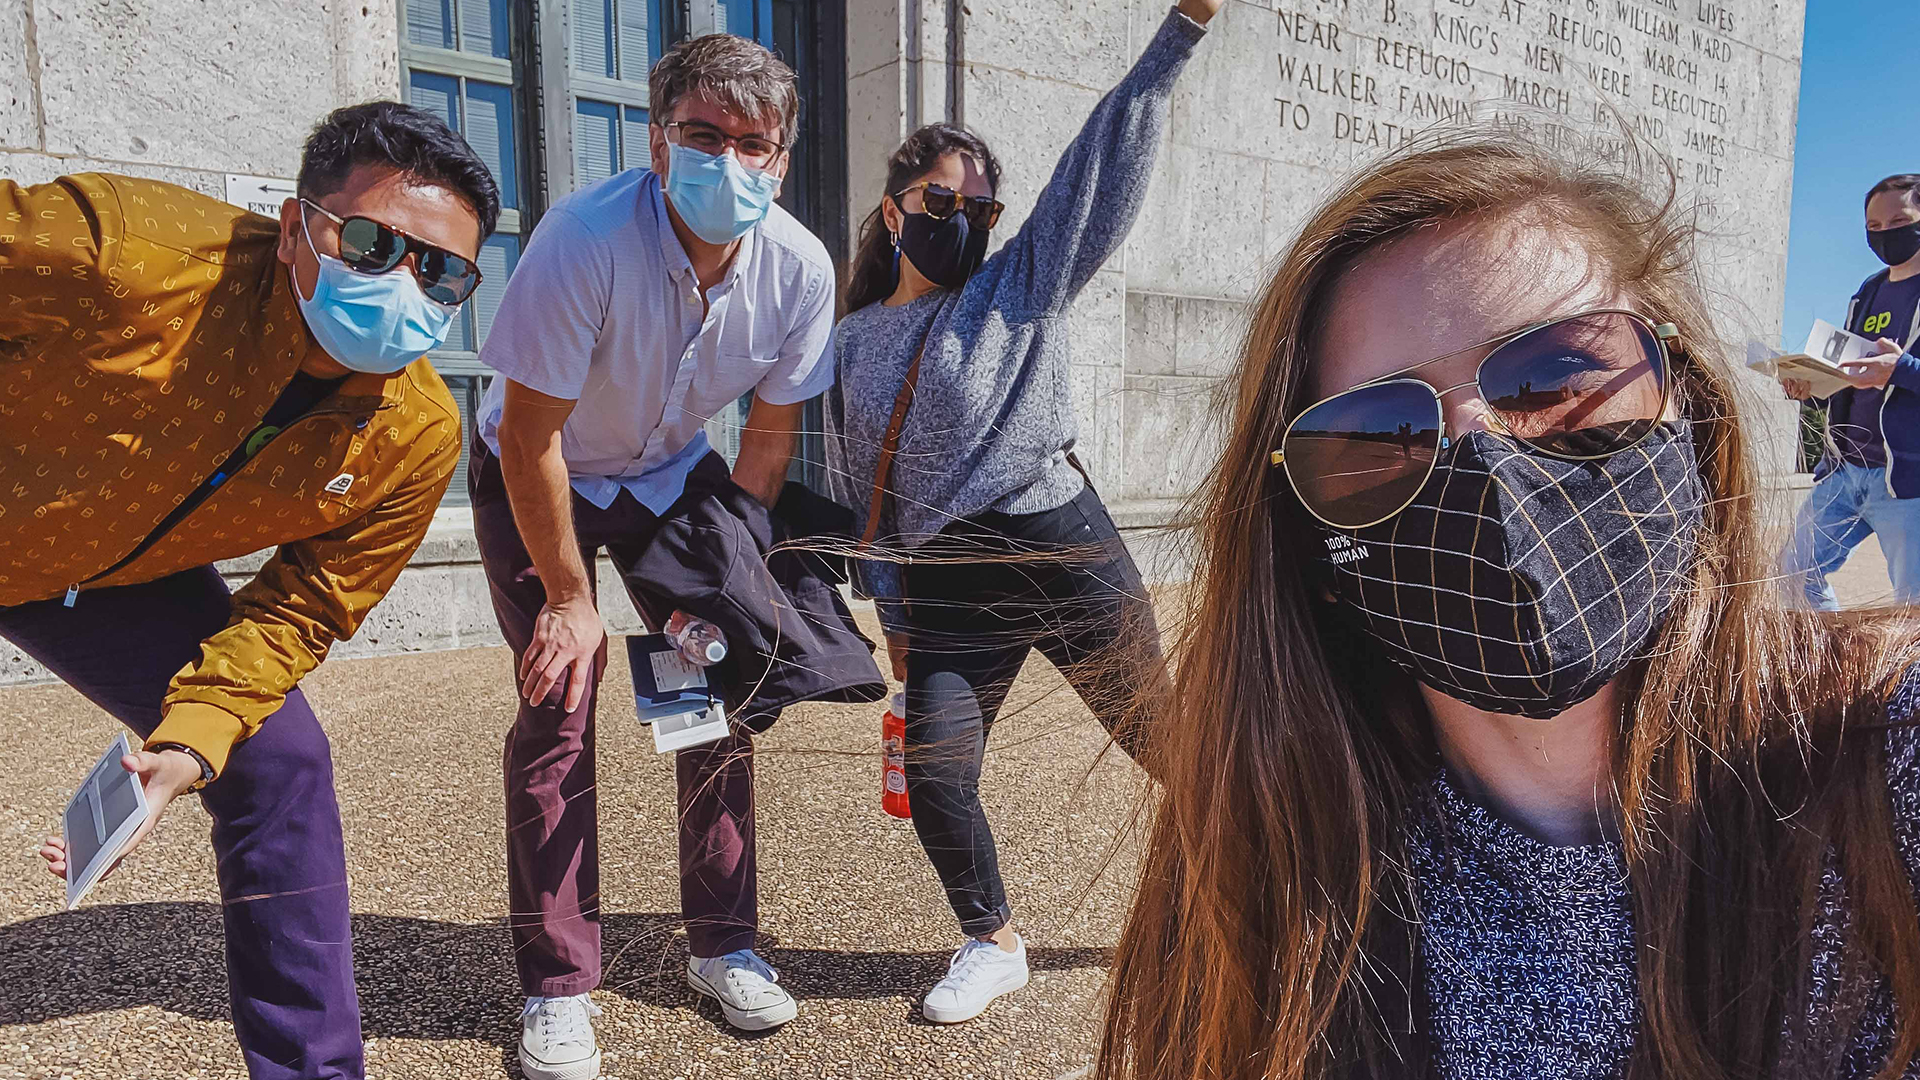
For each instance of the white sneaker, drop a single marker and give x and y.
(556, 1039)
(743, 984)
(978, 973)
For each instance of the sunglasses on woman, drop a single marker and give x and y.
(940, 203)
(1582, 387)
(372, 248)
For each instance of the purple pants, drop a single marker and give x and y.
(276, 827)
(553, 827)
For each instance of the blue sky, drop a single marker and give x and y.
(1859, 121)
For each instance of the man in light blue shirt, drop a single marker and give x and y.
(644, 305)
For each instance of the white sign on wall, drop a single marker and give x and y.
(260, 194)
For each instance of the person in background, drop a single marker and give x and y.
(183, 382)
(1527, 769)
(1006, 545)
(643, 306)
(1868, 481)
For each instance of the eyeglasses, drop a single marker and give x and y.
(940, 203)
(1583, 387)
(372, 248)
(752, 150)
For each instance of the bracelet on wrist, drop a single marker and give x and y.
(206, 769)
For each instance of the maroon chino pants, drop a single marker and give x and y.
(553, 864)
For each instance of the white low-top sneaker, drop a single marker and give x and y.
(744, 985)
(978, 973)
(556, 1039)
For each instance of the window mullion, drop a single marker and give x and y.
(450, 62)
(613, 30)
(555, 107)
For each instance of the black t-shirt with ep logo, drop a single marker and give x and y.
(1853, 416)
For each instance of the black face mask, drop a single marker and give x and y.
(946, 251)
(1895, 245)
(1522, 583)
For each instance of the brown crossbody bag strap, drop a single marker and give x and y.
(890, 443)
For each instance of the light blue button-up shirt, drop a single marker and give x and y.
(604, 310)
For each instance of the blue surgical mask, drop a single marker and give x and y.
(720, 199)
(376, 323)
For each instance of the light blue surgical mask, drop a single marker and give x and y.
(376, 323)
(720, 199)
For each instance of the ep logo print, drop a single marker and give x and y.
(1875, 324)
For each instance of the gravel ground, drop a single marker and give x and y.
(133, 984)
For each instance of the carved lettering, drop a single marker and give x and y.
(1537, 94)
(1459, 30)
(1307, 30)
(1418, 60)
(1711, 47)
(1652, 24)
(1340, 83)
(1714, 13)
(1671, 65)
(1370, 133)
(1585, 36)
(1688, 103)
(1433, 106)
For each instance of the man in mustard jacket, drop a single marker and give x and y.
(181, 382)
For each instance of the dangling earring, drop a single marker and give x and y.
(896, 256)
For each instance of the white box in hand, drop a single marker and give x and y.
(672, 695)
(100, 818)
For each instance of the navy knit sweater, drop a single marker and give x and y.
(1528, 948)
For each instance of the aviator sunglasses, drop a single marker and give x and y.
(372, 248)
(1580, 388)
(941, 202)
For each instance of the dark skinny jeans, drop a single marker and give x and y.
(982, 595)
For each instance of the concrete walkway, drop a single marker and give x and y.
(1863, 580)
(133, 984)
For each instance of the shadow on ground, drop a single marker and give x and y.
(169, 955)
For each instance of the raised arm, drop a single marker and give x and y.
(1097, 189)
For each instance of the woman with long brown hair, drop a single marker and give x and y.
(1527, 770)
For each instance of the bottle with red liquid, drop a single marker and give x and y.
(893, 753)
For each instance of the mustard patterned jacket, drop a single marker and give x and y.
(144, 331)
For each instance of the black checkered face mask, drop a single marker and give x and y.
(1519, 582)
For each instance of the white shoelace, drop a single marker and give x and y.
(969, 962)
(563, 1020)
(749, 974)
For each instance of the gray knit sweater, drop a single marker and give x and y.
(992, 419)
(1528, 948)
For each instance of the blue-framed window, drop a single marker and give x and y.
(471, 88)
(456, 61)
(614, 46)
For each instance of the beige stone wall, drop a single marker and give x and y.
(1283, 99)
(181, 90)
